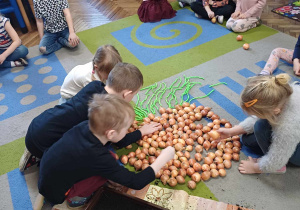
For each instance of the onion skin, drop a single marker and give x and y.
(159, 173)
(182, 172)
(205, 167)
(192, 162)
(138, 165)
(222, 172)
(214, 134)
(132, 161)
(198, 148)
(227, 163)
(196, 177)
(190, 171)
(205, 175)
(180, 179)
(235, 156)
(197, 167)
(164, 178)
(198, 157)
(191, 185)
(214, 173)
(208, 160)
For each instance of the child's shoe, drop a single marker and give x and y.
(21, 62)
(280, 171)
(27, 160)
(77, 202)
(220, 19)
(182, 4)
(198, 16)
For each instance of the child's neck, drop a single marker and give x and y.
(109, 90)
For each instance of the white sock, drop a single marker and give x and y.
(12, 63)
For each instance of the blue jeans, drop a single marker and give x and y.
(20, 52)
(55, 41)
(260, 141)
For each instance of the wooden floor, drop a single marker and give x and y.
(91, 13)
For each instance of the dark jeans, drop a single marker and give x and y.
(226, 11)
(20, 52)
(260, 141)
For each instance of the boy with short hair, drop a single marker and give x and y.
(81, 155)
(55, 25)
(125, 80)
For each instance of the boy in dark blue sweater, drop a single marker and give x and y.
(125, 80)
(80, 155)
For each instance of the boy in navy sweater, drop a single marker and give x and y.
(125, 80)
(72, 164)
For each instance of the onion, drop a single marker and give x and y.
(189, 141)
(192, 126)
(190, 171)
(145, 161)
(205, 167)
(198, 148)
(178, 107)
(132, 161)
(205, 175)
(219, 153)
(164, 178)
(169, 110)
(165, 116)
(206, 129)
(213, 144)
(211, 155)
(151, 151)
(203, 112)
(186, 116)
(181, 124)
(137, 165)
(193, 106)
(222, 172)
(215, 117)
(211, 125)
(183, 159)
(130, 130)
(229, 145)
(237, 144)
(170, 162)
(213, 166)
(216, 127)
(167, 172)
(235, 156)
(164, 122)
(196, 177)
(220, 166)
(198, 156)
(138, 151)
(174, 173)
(200, 140)
(145, 150)
(124, 159)
(206, 136)
(169, 143)
(227, 156)
(187, 109)
(214, 134)
(154, 144)
(157, 153)
(185, 104)
(223, 121)
(129, 146)
(227, 125)
(236, 150)
(216, 122)
(180, 179)
(141, 156)
(208, 160)
(194, 136)
(235, 138)
(187, 154)
(199, 126)
(162, 110)
(131, 154)
(197, 167)
(186, 128)
(149, 140)
(206, 145)
(172, 121)
(228, 150)
(189, 148)
(177, 163)
(214, 173)
(198, 116)
(185, 165)
(172, 182)
(182, 172)
(144, 166)
(210, 114)
(151, 116)
(159, 173)
(178, 147)
(151, 159)
(218, 160)
(156, 119)
(146, 120)
(221, 146)
(191, 184)
(227, 163)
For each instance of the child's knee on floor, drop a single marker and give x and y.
(43, 50)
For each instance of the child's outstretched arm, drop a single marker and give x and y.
(16, 42)
(228, 132)
(73, 38)
(40, 27)
(210, 13)
(166, 155)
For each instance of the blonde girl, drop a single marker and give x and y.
(12, 53)
(105, 59)
(273, 127)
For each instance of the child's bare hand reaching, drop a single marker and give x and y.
(224, 133)
(73, 39)
(150, 128)
(296, 66)
(211, 14)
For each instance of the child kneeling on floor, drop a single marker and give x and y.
(79, 163)
(105, 59)
(125, 80)
(273, 129)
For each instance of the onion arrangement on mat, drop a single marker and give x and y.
(190, 138)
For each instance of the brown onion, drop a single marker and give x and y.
(235, 138)
(164, 178)
(191, 185)
(182, 172)
(138, 164)
(151, 116)
(172, 182)
(185, 165)
(235, 156)
(178, 147)
(124, 159)
(196, 177)
(129, 146)
(218, 160)
(144, 166)
(227, 163)
(189, 141)
(206, 129)
(198, 148)
(214, 134)
(205, 167)
(141, 156)
(157, 153)
(219, 153)
(221, 146)
(214, 173)
(151, 151)
(132, 161)
(227, 125)
(167, 172)
(208, 160)
(213, 166)
(213, 144)
(237, 144)
(162, 110)
(198, 156)
(189, 148)
(131, 154)
(236, 150)
(197, 167)
(151, 159)
(211, 155)
(220, 166)
(222, 172)
(205, 175)
(174, 173)
(228, 150)
(183, 159)
(227, 156)
(180, 179)
(200, 140)
(190, 171)
(198, 116)
(206, 145)
(185, 104)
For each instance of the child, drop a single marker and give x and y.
(81, 155)
(55, 25)
(246, 16)
(209, 9)
(290, 56)
(155, 10)
(12, 53)
(50, 126)
(274, 129)
(103, 62)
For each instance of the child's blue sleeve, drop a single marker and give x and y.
(297, 49)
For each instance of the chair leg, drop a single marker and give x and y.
(19, 16)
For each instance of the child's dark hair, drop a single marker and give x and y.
(125, 76)
(106, 57)
(109, 112)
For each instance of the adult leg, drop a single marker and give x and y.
(198, 8)
(242, 25)
(49, 43)
(276, 54)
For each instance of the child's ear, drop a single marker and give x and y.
(95, 67)
(277, 111)
(110, 134)
(126, 93)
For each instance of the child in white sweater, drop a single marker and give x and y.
(105, 59)
(273, 128)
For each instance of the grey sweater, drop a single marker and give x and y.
(285, 134)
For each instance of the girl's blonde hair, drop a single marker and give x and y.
(109, 112)
(263, 94)
(106, 57)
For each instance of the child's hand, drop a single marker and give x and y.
(296, 66)
(242, 16)
(73, 39)
(224, 133)
(167, 153)
(150, 128)
(2, 58)
(235, 15)
(211, 14)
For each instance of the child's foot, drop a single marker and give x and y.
(27, 160)
(258, 23)
(220, 19)
(20, 62)
(182, 4)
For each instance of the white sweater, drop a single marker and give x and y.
(77, 78)
(285, 134)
